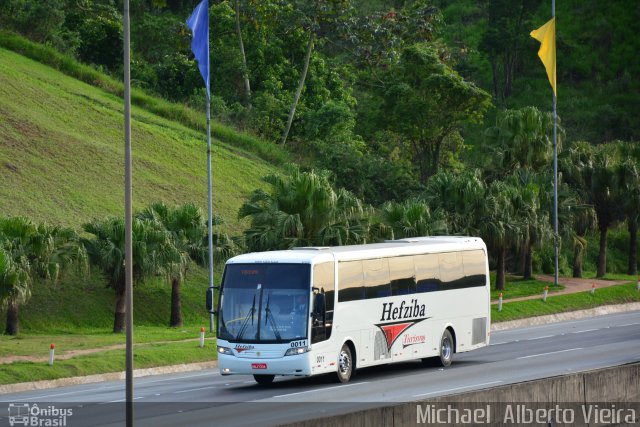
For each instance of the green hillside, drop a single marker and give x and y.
(62, 151)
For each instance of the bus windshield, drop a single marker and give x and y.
(264, 303)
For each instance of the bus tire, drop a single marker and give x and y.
(446, 349)
(264, 379)
(345, 365)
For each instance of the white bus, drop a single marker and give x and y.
(317, 310)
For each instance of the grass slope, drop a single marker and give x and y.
(62, 151)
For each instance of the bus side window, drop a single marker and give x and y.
(376, 278)
(350, 281)
(403, 275)
(324, 281)
(427, 272)
(474, 268)
(451, 270)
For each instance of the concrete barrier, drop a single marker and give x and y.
(616, 384)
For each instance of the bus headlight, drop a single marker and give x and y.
(297, 350)
(225, 350)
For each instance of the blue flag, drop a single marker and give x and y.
(198, 22)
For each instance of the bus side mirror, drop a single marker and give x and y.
(210, 299)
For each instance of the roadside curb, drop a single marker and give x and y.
(569, 315)
(112, 376)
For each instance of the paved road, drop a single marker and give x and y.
(206, 398)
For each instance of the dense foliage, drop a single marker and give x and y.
(435, 113)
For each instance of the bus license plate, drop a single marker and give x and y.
(258, 366)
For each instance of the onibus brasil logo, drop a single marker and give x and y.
(398, 319)
(25, 414)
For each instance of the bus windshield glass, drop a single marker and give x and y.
(264, 303)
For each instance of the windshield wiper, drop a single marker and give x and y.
(245, 322)
(271, 319)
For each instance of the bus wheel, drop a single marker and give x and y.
(345, 365)
(446, 349)
(264, 379)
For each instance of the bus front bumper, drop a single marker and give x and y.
(289, 365)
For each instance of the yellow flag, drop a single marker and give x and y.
(546, 35)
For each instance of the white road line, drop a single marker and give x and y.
(89, 390)
(322, 389)
(193, 389)
(456, 388)
(119, 400)
(586, 330)
(178, 378)
(60, 394)
(629, 324)
(552, 352)
(539, 338)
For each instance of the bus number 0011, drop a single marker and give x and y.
(296, 344)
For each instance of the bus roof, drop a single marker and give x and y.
(408, 246)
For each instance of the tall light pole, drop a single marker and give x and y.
(128, 217)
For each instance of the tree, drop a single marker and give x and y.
(575, 166)
(500, 227)
(302, 209)
(505, 36)
(31, 252)
(628, 176)
(153, 253)
(188, 230)
(496, 211)
(460, 197)
(427, 103)
(520, 139)
(412, 218)
(243, 56)
(533, 217)
(15, 287)
(316, 19)
(605, 197)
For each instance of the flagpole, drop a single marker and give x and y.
(555, 171)
(128, 219)
(210, 192)
(198, 22)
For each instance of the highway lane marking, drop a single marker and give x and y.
(88, 390)
(120, 400)
(322, 389)
(539, 338)
(552, 352)
(179, 378)
(194, 389)
(60, 394)
(456, 388)
(563, 334)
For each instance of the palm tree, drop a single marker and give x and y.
(536, 227)
(188, 231)
(153, 253)
(580, 218)
(303, 209)
(15, 288)
(520, 140)
(605, 198)
(500, 225)
(412, 218)
(35, 251)
(460, 197)
(628, 175)
(597, 170)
